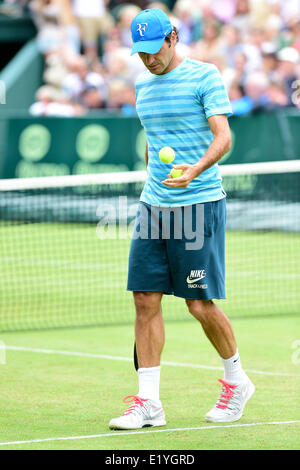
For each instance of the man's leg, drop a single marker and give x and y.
(216, 326)
(237, 388)
(150, 339)
(146, 409)
(149, 328)
(218, 330)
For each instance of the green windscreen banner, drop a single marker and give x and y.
(48, 146)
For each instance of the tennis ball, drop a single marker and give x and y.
(175, 173)
(166, 154)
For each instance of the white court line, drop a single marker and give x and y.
(131, 433)
(130, 359)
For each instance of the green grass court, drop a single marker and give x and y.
(69, 382)
(56, 395)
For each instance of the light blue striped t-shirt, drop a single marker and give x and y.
(173, 109)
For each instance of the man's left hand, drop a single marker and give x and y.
(189, 172)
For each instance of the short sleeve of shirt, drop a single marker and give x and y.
(212, 93)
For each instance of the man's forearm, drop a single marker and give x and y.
(219, 146)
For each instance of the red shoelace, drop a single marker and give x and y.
(226, 394)
(137, 401)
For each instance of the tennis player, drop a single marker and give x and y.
(182, 104)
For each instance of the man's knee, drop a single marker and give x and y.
(200, 309)
(147, 303)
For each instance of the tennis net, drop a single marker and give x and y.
(64, 244)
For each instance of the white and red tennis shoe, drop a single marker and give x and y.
(231, 402)
(141, 413)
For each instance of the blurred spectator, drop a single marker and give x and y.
(271, 33)
(119, 63)
(80, 77)
(210, 44)
(224, 10)
(93, 97)
(14, 8)
(230, 44)
(287, 9)
(161, 5)
(296, 87)
(294, 24)
(121, 97)
(276, 95)
(242, 16)
(70, 23)
(288, 59)
(270, 64)
(260, 11)
(189, 21)
(256, 86)
(254, 43)
(228, 73)
(53, 102)
(57, 29)
(240, 67)
(251, 47)
(56, 68)
(124, 19)
(241, 104)
(94, 22)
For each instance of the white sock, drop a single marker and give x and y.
(233, 371)
(149, 378)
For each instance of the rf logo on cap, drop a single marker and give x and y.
(142, 28)
(149, 29)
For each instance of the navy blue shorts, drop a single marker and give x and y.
(179, 251)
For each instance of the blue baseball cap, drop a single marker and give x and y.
(149, 29)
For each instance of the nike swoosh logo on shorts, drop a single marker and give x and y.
(192, 281)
